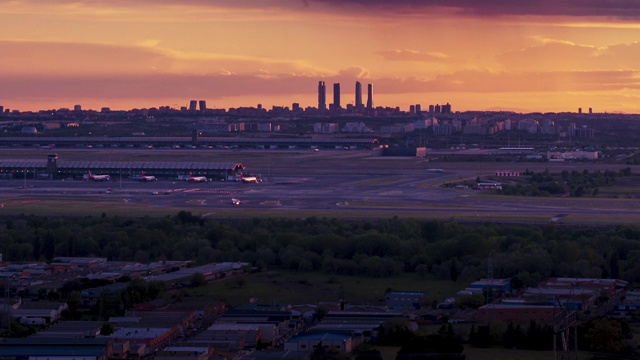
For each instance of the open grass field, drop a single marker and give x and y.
(285, 287)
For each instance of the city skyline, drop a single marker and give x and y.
(528, 56)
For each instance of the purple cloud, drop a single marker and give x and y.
(607, 8)
(598, 8)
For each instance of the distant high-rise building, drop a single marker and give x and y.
(203, 105)
(579, 110)
(76, 108)
(358, 95)
(322, 96)
(412, 109)
(193, 105)
(446, 109)
(418, 109)
(1, 109)
(336, 96)
(370, 96)
(590, 111)
(431, 109)
(437, 109)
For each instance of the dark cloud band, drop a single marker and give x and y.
(599, 8)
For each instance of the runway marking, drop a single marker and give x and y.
(391, 193)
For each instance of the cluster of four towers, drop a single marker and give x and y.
(322, 96)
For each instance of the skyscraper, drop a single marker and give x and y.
(336, 96)
(203, 105)
(370, 96)
(193, 105)
(322, 96)
(358, 95)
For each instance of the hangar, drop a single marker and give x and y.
(52, 168)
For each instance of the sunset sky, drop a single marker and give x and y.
(525, 56)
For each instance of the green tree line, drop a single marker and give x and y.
(376, 248)
(574, 183)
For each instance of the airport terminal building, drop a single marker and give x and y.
(53, 168)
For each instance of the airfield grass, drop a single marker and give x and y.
(109, 207)
(80, 207)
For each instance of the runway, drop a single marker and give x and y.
(374, 191)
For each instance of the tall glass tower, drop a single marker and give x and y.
(336, 96)
(358, 95)
(322, 96)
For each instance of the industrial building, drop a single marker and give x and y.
(52, 168)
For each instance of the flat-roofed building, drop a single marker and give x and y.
(184, 353)
(70, 330)
(142, 341)
(310, 341)
(32, 348)
(404, 300)
(516, 313)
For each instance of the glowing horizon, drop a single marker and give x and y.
(529, 56)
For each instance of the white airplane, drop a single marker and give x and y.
(248, 179)
(436, 170)
(147, 177)
(197, 178)
(235, 201)
(92, 177)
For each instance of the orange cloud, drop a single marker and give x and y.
(353, 73)
(557, 56)
(412, 55)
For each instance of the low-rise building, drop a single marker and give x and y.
(516, 313)
(184, 353)
(310, 341)
(404, 300)
(56, 348)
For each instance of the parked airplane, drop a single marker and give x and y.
(436, 170)
(248, 179)
(197, 178)
(147, 177)
(235, 201)
(92, 177)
